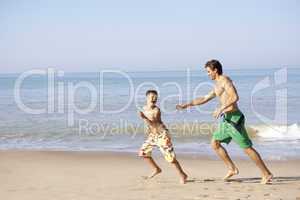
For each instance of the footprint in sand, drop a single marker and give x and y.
(233, 181)
(219, 197)
(204, 196)
(136, 189)
(208, 180)
(30, 188)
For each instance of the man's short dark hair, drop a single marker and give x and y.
(215, 64)
(151, 91)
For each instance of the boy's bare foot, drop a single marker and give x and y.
(156, 172)
(183, 178)
(267, 179)
(231, 173)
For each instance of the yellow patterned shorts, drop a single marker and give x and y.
(162, 141)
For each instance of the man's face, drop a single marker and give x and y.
(211, 73)
(151, 99)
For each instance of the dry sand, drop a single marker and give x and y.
(33, 175)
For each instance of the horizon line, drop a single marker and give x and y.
(153, 70)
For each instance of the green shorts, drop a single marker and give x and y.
(233, 128)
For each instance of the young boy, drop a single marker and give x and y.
(157, 136)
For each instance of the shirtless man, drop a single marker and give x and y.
(158, 135)
(232, 127)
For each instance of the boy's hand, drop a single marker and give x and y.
(182, 106)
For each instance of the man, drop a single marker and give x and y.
(232, 127)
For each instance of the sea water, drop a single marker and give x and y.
(97, 111)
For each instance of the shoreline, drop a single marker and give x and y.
(156, 154)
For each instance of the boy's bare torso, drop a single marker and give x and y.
(153, 114)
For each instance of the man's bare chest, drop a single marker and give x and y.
(219, 90)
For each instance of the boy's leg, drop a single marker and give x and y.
(145, 152)
(166, 147)
(254, 155)
(154, 166)
(182, 174)
(222, 153)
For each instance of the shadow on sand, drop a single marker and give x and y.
(276, 180)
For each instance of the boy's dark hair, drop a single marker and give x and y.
(215, 64)
(151, 91)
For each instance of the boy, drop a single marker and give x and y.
(157, 136)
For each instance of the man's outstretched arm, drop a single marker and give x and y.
(197, 101)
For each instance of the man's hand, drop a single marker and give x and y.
(182, 106)
(217, 113)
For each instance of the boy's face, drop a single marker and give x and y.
(151, 99)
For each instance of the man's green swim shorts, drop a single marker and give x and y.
(233, 128)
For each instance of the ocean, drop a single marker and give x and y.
(52, 110)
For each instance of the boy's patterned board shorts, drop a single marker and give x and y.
(162, 141)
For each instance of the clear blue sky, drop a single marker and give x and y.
(145, 35)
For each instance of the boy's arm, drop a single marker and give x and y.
(143, 116)
(156, 118)
(198, 101)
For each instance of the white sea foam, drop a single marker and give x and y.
(275, 132)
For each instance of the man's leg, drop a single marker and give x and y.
(222, 153)
(183, 176)
(154, 166)
(254, 155)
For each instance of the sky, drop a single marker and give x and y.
(137, 35)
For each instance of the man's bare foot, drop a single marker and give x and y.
(156, 172)
(266, 179)
(183, 178)
(231, 173)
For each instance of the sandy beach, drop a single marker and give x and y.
(96, 175)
